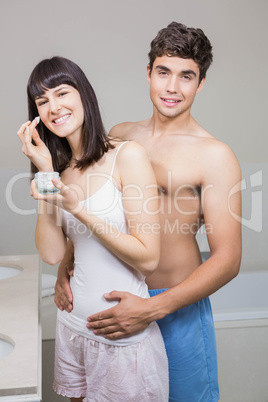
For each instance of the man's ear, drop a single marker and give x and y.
(200, 86)
(148, 74)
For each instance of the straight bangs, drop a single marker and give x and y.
(47, 75)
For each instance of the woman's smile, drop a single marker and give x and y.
(61, 119)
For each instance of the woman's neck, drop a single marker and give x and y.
(75, 142)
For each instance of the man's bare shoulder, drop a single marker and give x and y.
(210, 154)
(211, 146)
(127, 130)
(217, 159)
(217, 150)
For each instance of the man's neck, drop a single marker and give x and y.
(182, 124)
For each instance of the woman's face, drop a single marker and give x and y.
(61, 110)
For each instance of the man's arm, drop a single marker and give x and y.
(63, 294)
(221, 201)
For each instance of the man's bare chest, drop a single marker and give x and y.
(176, 173)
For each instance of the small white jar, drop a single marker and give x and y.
(44, 182)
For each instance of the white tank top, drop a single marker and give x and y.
(96, 269)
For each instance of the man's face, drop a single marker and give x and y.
(174, 82)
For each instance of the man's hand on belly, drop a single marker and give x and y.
(63, 294)
(127, 318)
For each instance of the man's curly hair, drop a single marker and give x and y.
(188, 43)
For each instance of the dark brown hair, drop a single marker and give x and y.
(188, 43)
(50, 73)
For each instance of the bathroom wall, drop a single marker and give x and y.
(110, 41)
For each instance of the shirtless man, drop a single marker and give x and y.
(196, 175)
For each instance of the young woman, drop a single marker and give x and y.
(107, 207)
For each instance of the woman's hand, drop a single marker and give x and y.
(67, 198)
(38, 154)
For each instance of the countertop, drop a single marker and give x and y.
(20, 321)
